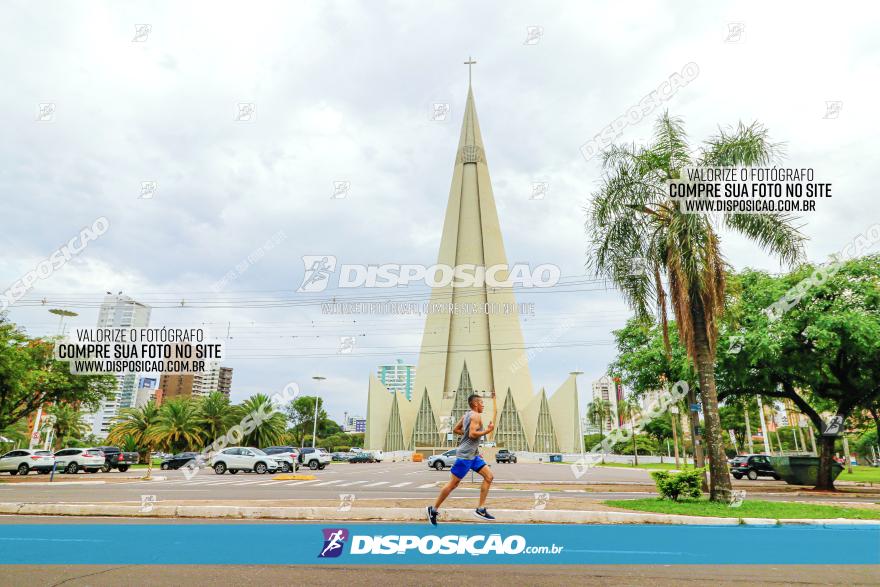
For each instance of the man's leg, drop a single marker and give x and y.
(447, 489)
(487, 475)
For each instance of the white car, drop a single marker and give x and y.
(73, 460)
(287, 457)
(243, 458)
(378, 455)
(24, 460)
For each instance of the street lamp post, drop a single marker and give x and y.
(318, 379)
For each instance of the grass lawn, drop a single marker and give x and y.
(863, 474)
(748, 509)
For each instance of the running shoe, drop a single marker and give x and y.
(483, 514)
(432, 515)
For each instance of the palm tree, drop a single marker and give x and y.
(216, 416)
(598, 411)
(631, 217)
(68, 424)
(177, 426)
(626, 411)
(266, 431)
(136, 423)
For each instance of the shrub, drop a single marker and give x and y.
(676, 485)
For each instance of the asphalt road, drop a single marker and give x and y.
(429, 575)
(403, 480)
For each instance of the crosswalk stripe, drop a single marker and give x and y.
(352, 483)
(301, 482)
(378, 483)
(426, 485)
(329, 482)
(403, 484)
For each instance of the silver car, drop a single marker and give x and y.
(440, 461)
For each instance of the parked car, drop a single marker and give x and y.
(181, 459)
(378, 455)
(505, 456)
(73, 460)
(288, 456)
(341, 456)
(114, 458)
(25, 460)
(446, 459)
(244, 458)
(314, 458)
(362, 457)
(752, 466)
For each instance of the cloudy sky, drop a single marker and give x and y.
(344, 92)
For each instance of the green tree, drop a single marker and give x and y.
(821, 353)
(30, 377)
(598, 411)
(177, 426)
(68, 425)
(301, 414)
(216, 416)
(137, 424)
(632, 217)
(266, 430)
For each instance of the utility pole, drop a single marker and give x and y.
(318, 379)
(673, 414)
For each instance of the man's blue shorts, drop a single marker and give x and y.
(462, 466)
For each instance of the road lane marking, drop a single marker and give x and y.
(401, 484)
(330, 482)
(375, 484)
(349, 484)
(302, 482)
(425, 486)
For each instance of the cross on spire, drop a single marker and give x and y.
(470, 63)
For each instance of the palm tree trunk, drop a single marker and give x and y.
(719, 482)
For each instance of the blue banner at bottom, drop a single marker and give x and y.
(334, 543)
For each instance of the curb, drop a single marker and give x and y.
(398, 515)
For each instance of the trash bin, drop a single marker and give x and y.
(555, 458)
(796, 470)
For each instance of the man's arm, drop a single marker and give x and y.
(458, 427)
(476, 422)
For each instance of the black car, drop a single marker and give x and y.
(362, 457)
(505, 456)
(179, 460)
(752, 466)
(117, 459)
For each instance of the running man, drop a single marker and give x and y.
(468, 459)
